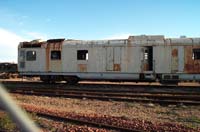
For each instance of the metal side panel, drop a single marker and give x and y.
(109, 58)
(117, 59)
(174, 59)
(162, 59)
(180, 59)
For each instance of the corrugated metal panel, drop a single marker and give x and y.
(109, 58)
(162, 57)
(117, 59)
(180, 58)
(174, 54)
(147, 40)
(82, 67)
(55, 66)
(192, 65)
(69, 58)
(189, 63)
(181, 41)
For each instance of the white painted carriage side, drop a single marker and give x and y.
(174, 60)
(134, 59)
(37, 65)
(162, 57)
(104, 55)
(69, 58)
(181, 62)
(109, 58)
(101, 58)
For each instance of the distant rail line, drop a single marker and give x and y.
(188, 95)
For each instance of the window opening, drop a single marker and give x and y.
(55, 55)
(146, 55)
(31, 55)
(82, 55)
(196, 54)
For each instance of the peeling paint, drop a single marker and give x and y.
(117, 67)
(82, 67)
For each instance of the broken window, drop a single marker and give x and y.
(196, 54)
(31, 55)
(82, 55)
(55, 55)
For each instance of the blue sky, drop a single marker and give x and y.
(93, 19)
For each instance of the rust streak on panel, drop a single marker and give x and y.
(117, 67)
(175, 52)
(191, 65)
(82, 67)
(146, 67)
(197, 61)
(188, 68)
(47, 56)
(174, 60)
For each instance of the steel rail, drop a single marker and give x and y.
(157, 95)
(106, 98)
(94, 124)
(100, 84)
(106, 91)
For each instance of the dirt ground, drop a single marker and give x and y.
(186, 115)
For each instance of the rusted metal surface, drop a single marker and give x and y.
(127, 56)
(117, 67)
(181, 59)
(191, 65)
(53, 45)
(145, 67)
(174, 52)
(174, 63)
(32, 44)
(109, 58)
(47, 57)
(82, 67)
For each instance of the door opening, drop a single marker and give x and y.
(148, 58)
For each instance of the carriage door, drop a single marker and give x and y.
(109, 58)
(147, 62)
(113, 59)
(177, 59)
(53, 52)
(174, 59)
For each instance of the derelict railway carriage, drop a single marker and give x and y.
(138, 58)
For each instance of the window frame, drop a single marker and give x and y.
(57, 53)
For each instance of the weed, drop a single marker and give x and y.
(192, 119)
(128, 105)
(6, 123)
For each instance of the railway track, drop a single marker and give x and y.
(160, 99)
(160, 95)
(117, 87)
(88, 123)
(104, 121)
